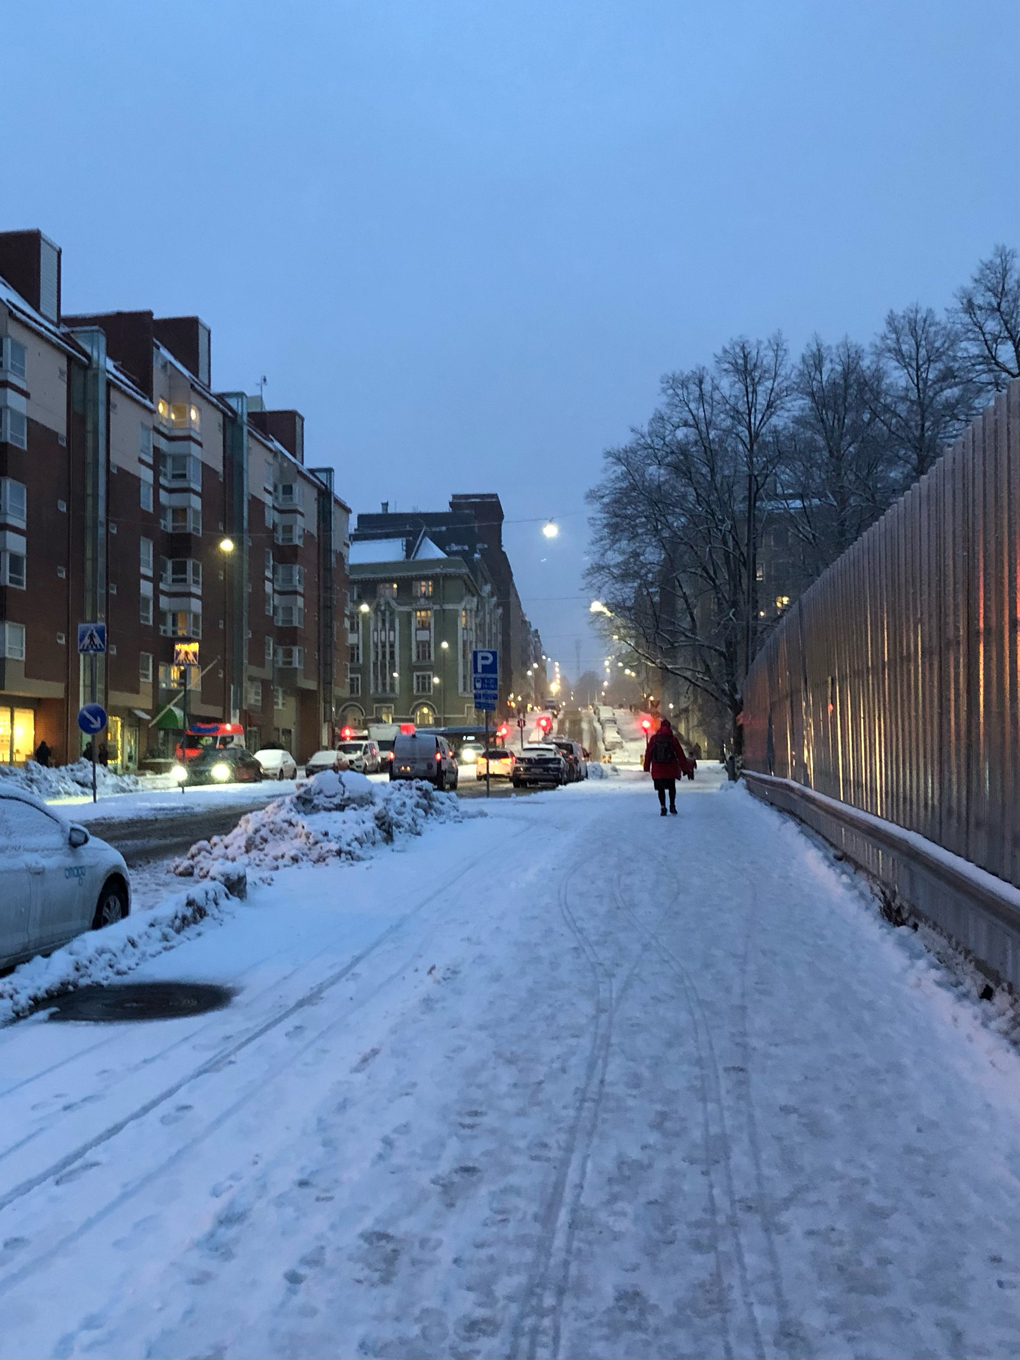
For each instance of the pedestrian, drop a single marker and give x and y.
(666, 762)
(87, 753)
(42, 754)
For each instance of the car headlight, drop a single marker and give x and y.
(179, 774)
(468, 757)
(221, 773)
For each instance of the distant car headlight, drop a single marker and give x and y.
(468, 757)
(179, 774)
(221, 773)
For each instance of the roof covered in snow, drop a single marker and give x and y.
(377, 550)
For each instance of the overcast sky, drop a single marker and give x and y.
(466, 237)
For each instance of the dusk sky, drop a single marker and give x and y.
(466, 239)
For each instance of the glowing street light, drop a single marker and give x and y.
(226, 545)
(550, 529)
(597, 607)
(364, 609)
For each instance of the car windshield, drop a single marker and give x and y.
(351, 748)
(323, 758)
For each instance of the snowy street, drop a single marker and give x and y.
(562, 1079)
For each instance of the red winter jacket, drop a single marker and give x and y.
(676, 765)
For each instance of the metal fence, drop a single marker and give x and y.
(892, 683)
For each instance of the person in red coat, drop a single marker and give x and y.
(666, 761)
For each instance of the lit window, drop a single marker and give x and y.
(759, 572)
(423, 589)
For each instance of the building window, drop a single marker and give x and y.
(354, 686)
(145, 667)
(288, 533)
(423, 635)
(759, 572)
(423, 682)
(12, 357)
(269, 598)
(268, 570)
(12, 569)
(288, 576)
(289, 615)
(181, 469)
(254, 695)
(288, 494)
(12, 641)
(13, 502)
(182, 623)
(354, 647)
(290, 657)
(145, 443)
(384, 651)
(277, 697)
(423, 589)
(181, 519)
(145, 495)
(386, 590)
(269, 650)
(13, 427)
(180, 571)
(145, 556)
(145, 609)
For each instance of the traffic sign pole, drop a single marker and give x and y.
(488, 762)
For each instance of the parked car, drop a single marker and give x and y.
(276, 764)
(322, 760)
(539, 763)
(573, 753)
(423, 755)
(499, 761)
(231, 765)
(361, 755)
(55, 879)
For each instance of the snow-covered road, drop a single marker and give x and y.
(568, 1079)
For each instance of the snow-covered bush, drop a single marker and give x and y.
(333, 816)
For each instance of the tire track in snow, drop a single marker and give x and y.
(225, 1056)
(714, 1092)
(536, 1313)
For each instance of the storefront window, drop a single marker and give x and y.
(17, 735)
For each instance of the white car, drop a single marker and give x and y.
(277, 764)
(55, 879)
(322, 760)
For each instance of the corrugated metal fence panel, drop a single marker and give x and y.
(892, 684)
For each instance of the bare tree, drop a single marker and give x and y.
(988, 315)
(676, 522)
(835, 477)
(924, 400)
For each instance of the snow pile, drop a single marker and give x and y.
(100, 956)
(596, 770)
(71, 781)
(333, 816)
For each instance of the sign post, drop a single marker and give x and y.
(186, 656)
(522, 724)
(92, 716)
(485, 685)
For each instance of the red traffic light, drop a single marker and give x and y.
(347, 733)
(646, 723)
(502, 731)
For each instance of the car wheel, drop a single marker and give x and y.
(282, 774)
(112, 905)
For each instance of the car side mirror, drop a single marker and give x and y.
(77, 837)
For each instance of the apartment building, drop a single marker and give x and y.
(416, 614)
(134, 494)
(469, 532)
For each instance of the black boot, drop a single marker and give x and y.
(662, 812)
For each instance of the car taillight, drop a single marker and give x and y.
(389, 755)
(439, 757)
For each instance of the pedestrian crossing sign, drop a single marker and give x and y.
(91, 639)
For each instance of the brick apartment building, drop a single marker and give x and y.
(133, 494)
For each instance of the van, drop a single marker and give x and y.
(423, 755)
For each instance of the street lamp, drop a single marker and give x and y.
(364, 609)
(597, 607)
(550, 529)
(226, 545)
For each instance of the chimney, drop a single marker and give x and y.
(187, 339)
(386, 507)
(30, 262)
(286, 427)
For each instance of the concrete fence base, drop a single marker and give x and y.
(977, 911)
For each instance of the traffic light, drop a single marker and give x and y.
(646, 725)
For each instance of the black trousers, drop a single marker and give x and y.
(664, 786)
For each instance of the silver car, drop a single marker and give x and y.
(421, 755)
(55, 879)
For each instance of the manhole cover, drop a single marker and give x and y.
(139, 1001)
